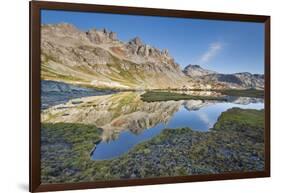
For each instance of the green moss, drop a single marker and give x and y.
(251, 117)
(244, 93)
(64, 149)
(236, 144)
(153, 96)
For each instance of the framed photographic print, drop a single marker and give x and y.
(123, 96)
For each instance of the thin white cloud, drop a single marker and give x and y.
(212, 51)
(205, 119)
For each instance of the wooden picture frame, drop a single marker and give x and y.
(35, 93)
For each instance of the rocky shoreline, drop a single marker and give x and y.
(54, 93)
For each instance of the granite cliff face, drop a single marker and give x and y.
(96, 58)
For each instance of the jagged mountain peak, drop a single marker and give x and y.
(137, 47)
(136, 41)
(97, 58)
(99, 36)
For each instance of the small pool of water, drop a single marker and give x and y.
(199, 119)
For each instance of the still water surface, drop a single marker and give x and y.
(197, 115)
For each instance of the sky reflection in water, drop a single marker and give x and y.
(201, 119)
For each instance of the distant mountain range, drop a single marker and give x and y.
(236, 80)
(97, 58)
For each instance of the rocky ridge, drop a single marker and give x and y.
(97, 58)
(242, 80)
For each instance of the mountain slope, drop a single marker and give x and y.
(97, 58)
(196, 70)
(243, 80)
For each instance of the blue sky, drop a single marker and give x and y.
(222, 46)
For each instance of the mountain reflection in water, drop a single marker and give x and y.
(126, 120)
